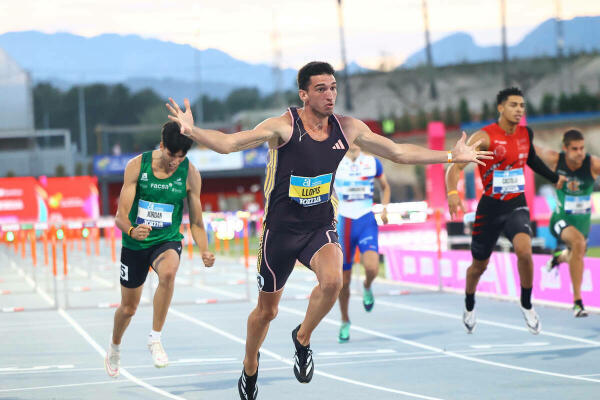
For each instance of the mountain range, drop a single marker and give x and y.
(173, 69)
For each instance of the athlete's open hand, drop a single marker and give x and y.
(384, 216)
(141, 232)
(208, 258)
(185, 120)
(464, 153)
(561, 181)
(454, 204)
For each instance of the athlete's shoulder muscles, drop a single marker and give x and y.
(130, 177)
(275, 130)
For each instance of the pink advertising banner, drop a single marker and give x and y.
(501, 277)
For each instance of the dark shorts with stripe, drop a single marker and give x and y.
(494, 217)
(136, 263)
(279, 251)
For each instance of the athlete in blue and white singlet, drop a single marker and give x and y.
(354, 186)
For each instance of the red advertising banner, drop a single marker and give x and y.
(72, 197)
(22, 199)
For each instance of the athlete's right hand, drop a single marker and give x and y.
(185, 120)
(141, 232)
(454, 204)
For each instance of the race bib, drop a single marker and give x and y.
(310, 191)
(578, 204)
(356, 191)
(509, 181)
(157, 215)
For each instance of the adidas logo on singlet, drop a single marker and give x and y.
(339, 145)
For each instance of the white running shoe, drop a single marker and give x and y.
(112, 362)
(532, 320)
(158, 354)
(469, 321)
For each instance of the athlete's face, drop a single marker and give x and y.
(512, 109)
(321, 94)
(575, 151)
(171, 160)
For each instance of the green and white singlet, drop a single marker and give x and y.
(574, 200)
(158, 203)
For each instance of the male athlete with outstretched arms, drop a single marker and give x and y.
(306, 146)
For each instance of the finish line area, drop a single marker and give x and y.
(410, 346)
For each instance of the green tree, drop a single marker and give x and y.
(463, 111)
(449, 116)
(242, 99)
(421, 119)
(486, 113)
(405, 123)
(436, 114)
(548, 105)
(60, 170)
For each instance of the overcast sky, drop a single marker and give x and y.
(376, 30)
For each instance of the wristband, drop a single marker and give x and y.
(452, 192)
(131, 228)
(449, 156)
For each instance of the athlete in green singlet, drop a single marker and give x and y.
(570, 221)
(149, 215)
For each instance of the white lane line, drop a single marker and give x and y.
(509, 345)
(486, 322)
(288, 362)
(442, 351)
(102, 352)
(459, 317)
(31, 283)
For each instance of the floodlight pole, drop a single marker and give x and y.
(347, 94)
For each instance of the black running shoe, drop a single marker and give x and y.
(553, 262)
(247, 385)
(303, 361)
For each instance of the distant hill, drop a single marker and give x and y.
(580, 34)
(67, 59)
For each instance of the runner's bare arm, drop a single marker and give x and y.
(194, 185)
(403, 153)
(385, 196)
(271, 129)
(132, 171)
(595, 167)
(548, 156)
(453, 174)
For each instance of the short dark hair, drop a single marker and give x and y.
(311, 69)
(570, 136)
(173, 140)
(503, 95)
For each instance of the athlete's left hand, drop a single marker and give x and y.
(463, 153)
(208, 258)
(384, 217)
(185, 120)
(561, 181)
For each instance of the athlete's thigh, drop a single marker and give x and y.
(518, 222)
(134, 267)
(321, 238)
(486, 230)
(130, 297)
(165, 257)
(345, 228)
(367, 235)
(327, 263)
(571, 235)
(276, 258)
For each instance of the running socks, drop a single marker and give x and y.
(526, 298)
(470, 301)
(579, 303)
(154, 336)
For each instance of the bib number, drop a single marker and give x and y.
(308, 191)
(578, 204)
(509, 181)
(356, 191)
(157, 215)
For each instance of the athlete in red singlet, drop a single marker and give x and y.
(502, 208)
